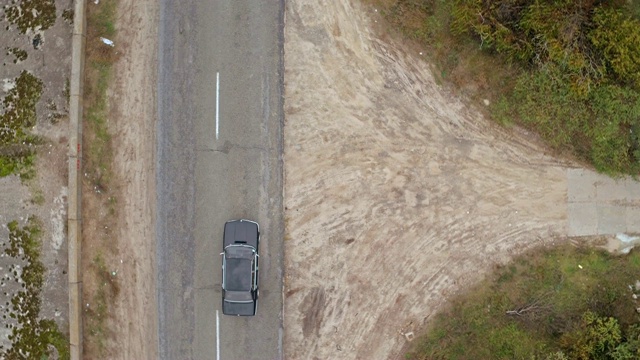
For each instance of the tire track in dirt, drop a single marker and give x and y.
(397, 193)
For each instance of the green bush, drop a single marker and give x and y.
(557, 304)
(580, 88)
(617, 37)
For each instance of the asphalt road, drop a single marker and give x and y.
(219, 157)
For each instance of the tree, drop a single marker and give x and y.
(617, 37)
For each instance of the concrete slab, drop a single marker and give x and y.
(582, 218)
(633, 220)
(581, 185)
(608, 189)
(600, 205)
(612, 219)
(633, 189)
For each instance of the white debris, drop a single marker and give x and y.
(58, 216)
(580, 266)
(626, 238)
(107, 41)
(8, 84)
(627, 242)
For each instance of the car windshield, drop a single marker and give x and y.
(239, 252)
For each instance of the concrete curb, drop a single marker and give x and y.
(74, 220)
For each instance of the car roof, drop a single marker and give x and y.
(239, 267)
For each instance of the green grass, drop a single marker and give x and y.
(100, 303)
(100, 59)
(98, 308)
(562, 284)
(102, 21)
(575, 108)
(99, 153)
(97, 163)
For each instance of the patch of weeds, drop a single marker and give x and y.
(67, 16)
(98, 311)
(54, 116)
(22, 165)
(66, 91)
(20, 107)
(31, 14)
(98, 156)
(102, 20)
(20, 54)
(99, 152)
(113, 205)
(17, 145)
(38, 197)
(536, 307)
(98, 75)
(31, 337)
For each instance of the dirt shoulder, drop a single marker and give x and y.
(130, 259)
(135, 106)
(398, 194)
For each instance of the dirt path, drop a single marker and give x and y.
(397, 194)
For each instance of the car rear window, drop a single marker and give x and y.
(238, 275)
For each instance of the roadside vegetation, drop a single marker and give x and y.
(563, 303)
(31, 336)
(102, 286)
(17, 144)
(567, 70)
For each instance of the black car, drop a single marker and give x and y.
(240, 268)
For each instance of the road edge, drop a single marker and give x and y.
(281, 140)
(74, 218)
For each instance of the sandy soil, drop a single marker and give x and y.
(135, 105)
(397, 194)
(133, 317)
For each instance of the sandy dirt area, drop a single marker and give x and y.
(135, 105)
(132, 321)
(397, 194)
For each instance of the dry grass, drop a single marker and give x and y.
(101, 287)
